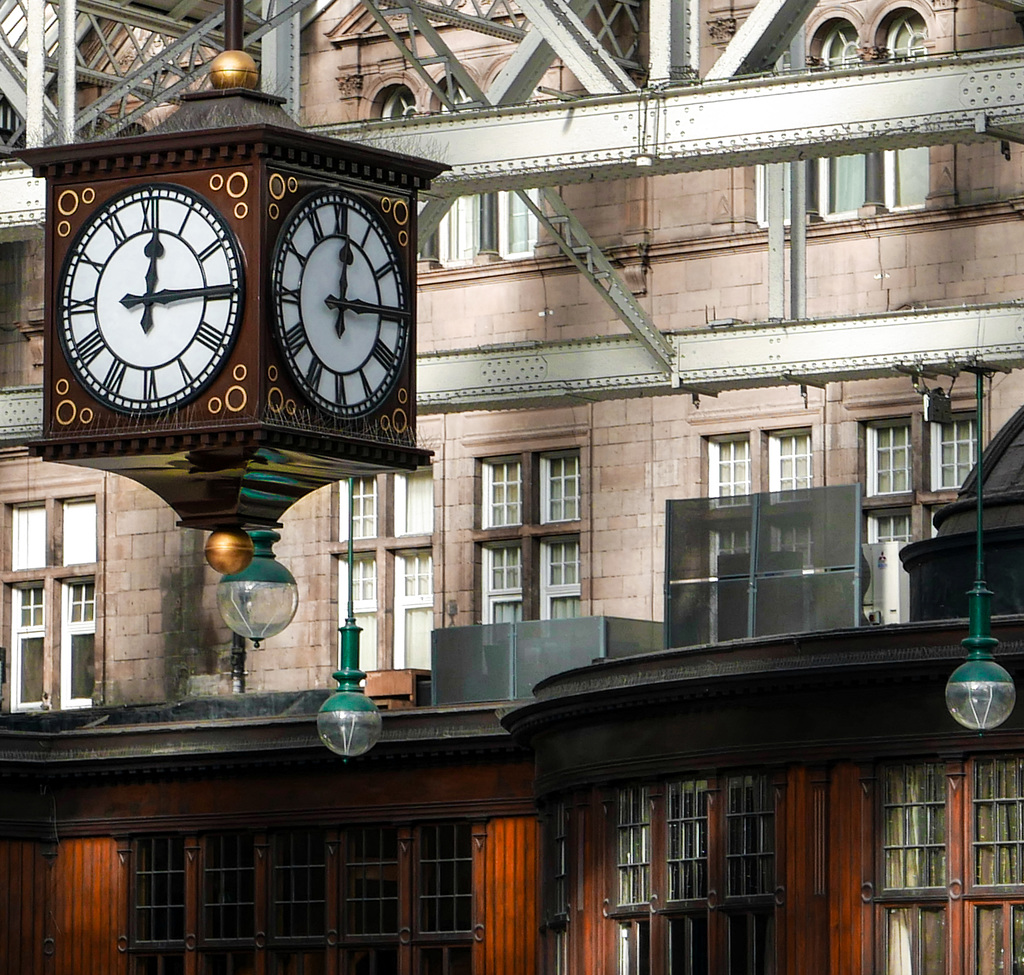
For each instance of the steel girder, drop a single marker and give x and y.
(925, 101)
(713, 360)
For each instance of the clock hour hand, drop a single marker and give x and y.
(346, 257)
(169, 295)
(154, 250)
(364, 308)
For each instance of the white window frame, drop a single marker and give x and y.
(399, 103)
(558, 585)
(414, 503)
(28, 529)
(951, 434)
(874, 471)
(364, 509)
(876, 520)
(79, 532)
(790, 446)
(21, 632)
(508, 204)
(502, 583)
(556, 472)
(414, 567)
(364, 606)
(71, 628)
(497, 476)
(717, 448)
(458, 233)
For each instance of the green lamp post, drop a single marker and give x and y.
(349, 722)
(980, 694)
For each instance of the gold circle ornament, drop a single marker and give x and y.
(61, 387)
(273, 211)
(272, 373)
(233, 69)
(241, 210)
(63, 228)
(237, 185)
(65, 412)
(399, 420)
(400, 207)
(214, 404)
(85, 416)
(88, 195)
(277, 186)
(217, 182)
(275, 399)
(235, 398)
(385, 423)
(239, 372)
(229, 550)
(293, 184)
(403, 396)
(67, 202)
(385, 204)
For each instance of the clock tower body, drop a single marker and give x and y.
(167, 358)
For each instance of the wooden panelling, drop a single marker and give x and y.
(22, 902)
(509, 895)
(846, 871)
(87, 907)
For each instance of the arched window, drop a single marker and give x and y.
(907, 35)
(840, 45)
(397, 102)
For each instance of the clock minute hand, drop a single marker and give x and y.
(365, 307)
(169, 295)
(154, 250)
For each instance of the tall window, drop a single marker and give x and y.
(789, 461)
(414, 609)
(29, 543)
(28, 639)
(78, 639)
(159, 894)
(414, 503)
(889, 458)
(999, 821)
(687, 820)
(954, 452)
(364, 508)
(914, 812)
(750, 836)
(79, 532)
(371, 881)
(517, 226)
(634, 845)
(364, 605)
(446, 878)
(503, 583)
(728, 467)
(503, 496)
(560, 587)
(560, 487)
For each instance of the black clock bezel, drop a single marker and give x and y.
(351, 199)
(82, 375)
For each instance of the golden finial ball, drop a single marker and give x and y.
(233, 69)
(229, 550)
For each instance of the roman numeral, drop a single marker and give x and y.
(339, 389)
(82, 306)
(117, 229)
(291, 295)
(149, 384)
(95, 265)
(151, 212)
(380, 272)
(186, 377)
(316, 226)
(114, 378)
(207, 335)
(295, 338)
(367, 388)
(90, 347)
(385, 355)
(314, 371)
(207, 252)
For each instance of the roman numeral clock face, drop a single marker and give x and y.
(341, 305)
(150, 296)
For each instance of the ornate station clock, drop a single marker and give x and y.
(231, 309)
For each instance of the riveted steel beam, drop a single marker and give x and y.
(926, 101)
(762, 38)
(713, 360)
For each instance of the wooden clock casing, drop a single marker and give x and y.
(253, 437)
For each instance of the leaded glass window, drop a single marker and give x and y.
(634, 845)
(914, 817)
(999, 821)
(687, 820)
(750, 835)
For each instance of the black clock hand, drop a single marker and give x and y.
(154, 250)
(346, 257)
(169, 295)
(365, 308)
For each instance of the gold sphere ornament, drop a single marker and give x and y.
(229, 550)
(233, 69)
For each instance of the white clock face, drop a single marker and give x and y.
(341, 304)
(150, 299)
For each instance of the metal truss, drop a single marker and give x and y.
(919, 102)
(713, 360)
